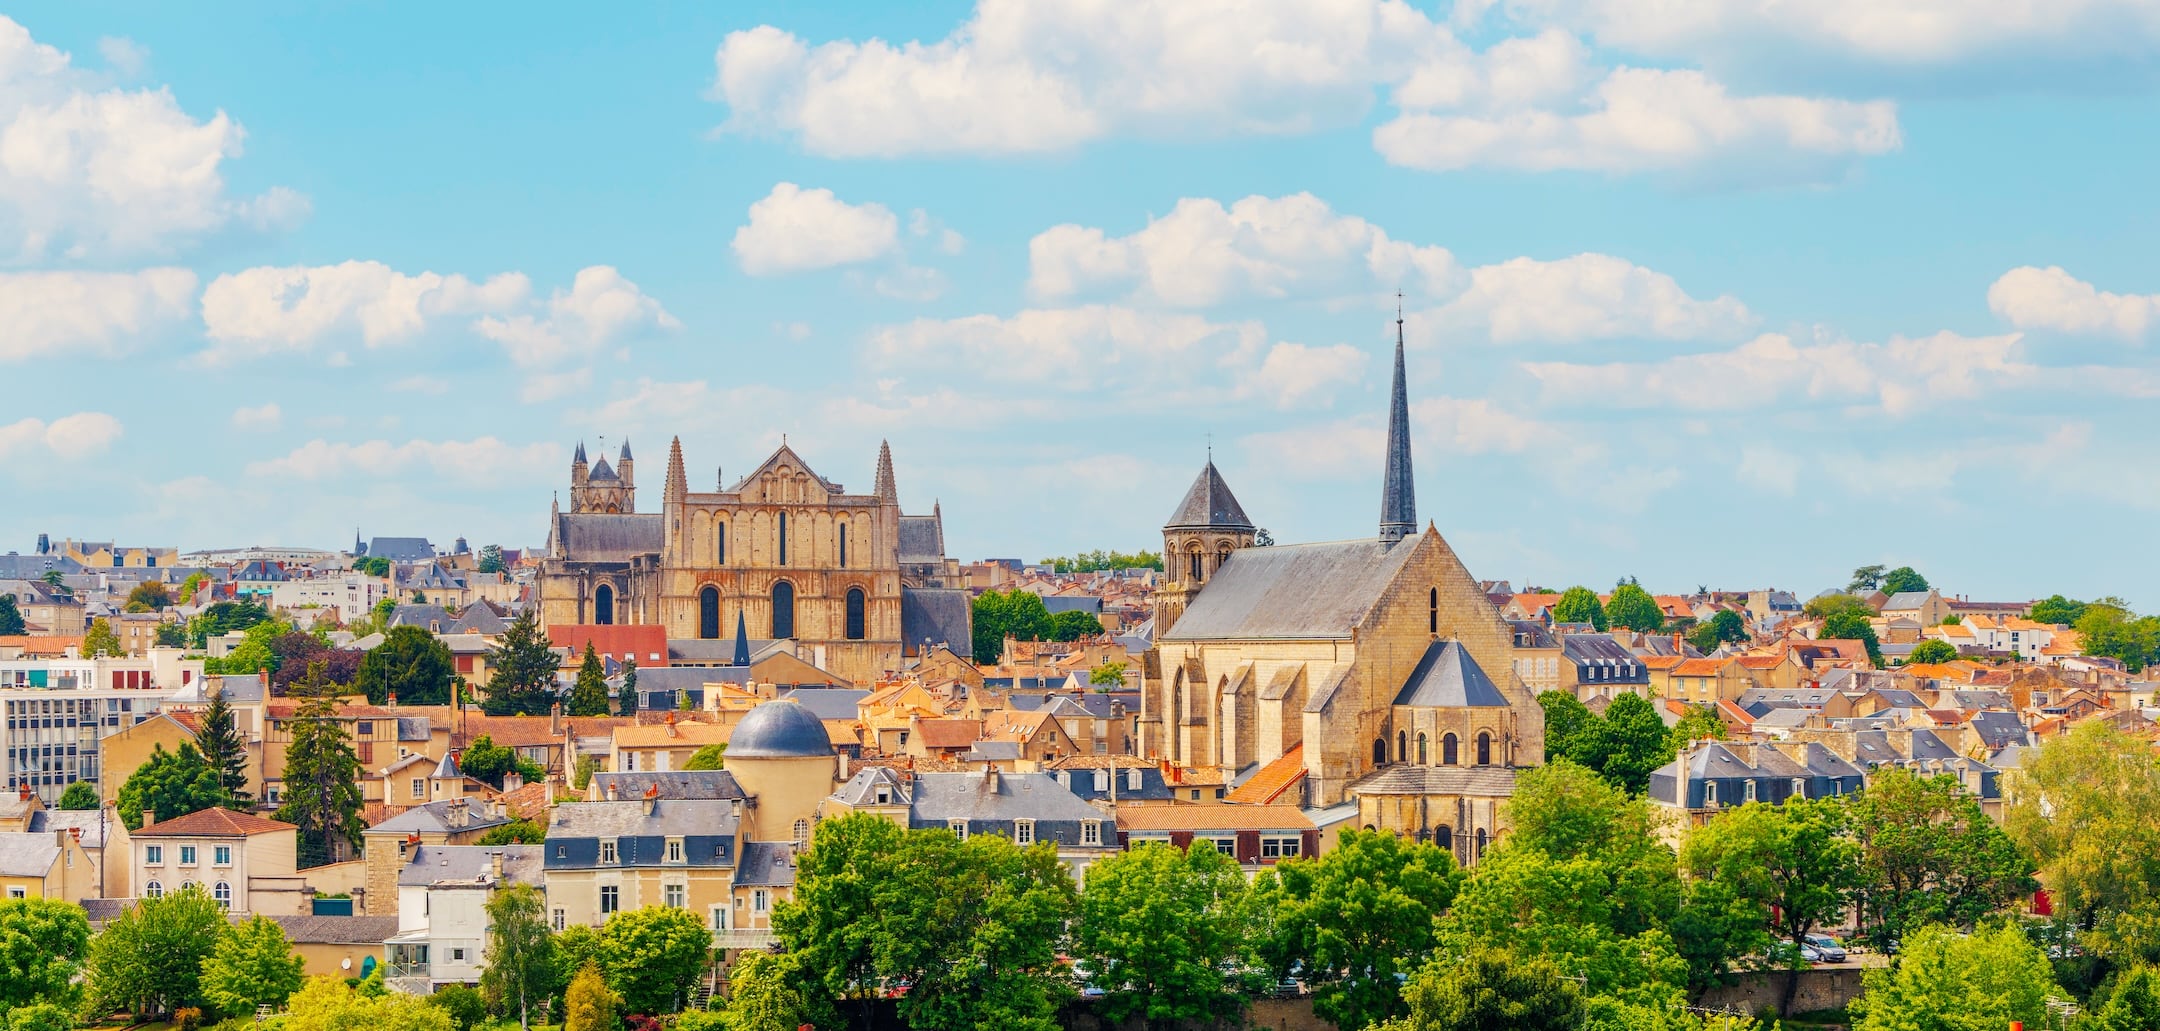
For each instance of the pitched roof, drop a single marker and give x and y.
(648, 644)
(436, 864)
(766, 864)
(938, 616)
(600, 537)
(213, 823)
(1292, 591)
(337, 930)
(1906, 600)
(1448, 678)
(1206, 816)
(948, 733)
(1208, 502)
(940, 797)
(27, 854)
(1469, 781)
(1273, 780)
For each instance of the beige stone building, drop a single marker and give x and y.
(783, 552)
(1382, 657)
(245, 862)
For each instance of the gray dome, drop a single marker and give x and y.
(779, 730)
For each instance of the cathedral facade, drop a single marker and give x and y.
(787, 553)
(1377, 665)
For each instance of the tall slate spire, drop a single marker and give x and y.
(1398, 494)
(885, 489)
(742, 640)
(678, 483)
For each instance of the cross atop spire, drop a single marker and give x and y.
(1398, 493)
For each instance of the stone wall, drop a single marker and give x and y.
(1821, 988)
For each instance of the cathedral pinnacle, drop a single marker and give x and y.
(885, 489)
(1398, 493)
(678, 482)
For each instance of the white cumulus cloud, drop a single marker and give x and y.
(75, 313)
(87, 171)
(600, 308)
(80, 435)
(2050, 298)
(1587, 296)
(796, 230)
(259, 417)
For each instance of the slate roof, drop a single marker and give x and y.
(432, 864)
(992, 751)
(1905, 601)
(1448, 678)
(829, 703)
(401, 549)
(85, 820)
(937, 615)
(1291, 591)
(1999, 728)
(779, 730)
(860, 789)
(940, 797)
(922, 538)
(1209, 503)
(337, 930)
(692, 784)
(1471, 781)
(27, 854)
(1073, 603)
(430, 818)
(765, 864)
(629, 818)
(600, 537)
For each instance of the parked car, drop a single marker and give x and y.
(1827, 949)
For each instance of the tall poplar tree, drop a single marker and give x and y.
(521, 953)
(322, 780)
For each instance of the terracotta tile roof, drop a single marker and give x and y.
(1534, 602)
(1735, 716)
(647, 644)
(1206, 816)
(529, 802)
(187, 718)
(1101, 762)
(949, 733)
(1660, 662)
(213, 823)
(1273, 780)
(42, 644)
(507, 731)
(1760, 661)
(685, 734)
(1698, 668)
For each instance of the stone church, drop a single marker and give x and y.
(1377, 665)
(847, 577)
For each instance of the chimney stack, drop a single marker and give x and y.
(652, 798)
(555, 719)
(495, 866)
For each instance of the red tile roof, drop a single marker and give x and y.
(213, 823)
(618, 640)
(1273, 780)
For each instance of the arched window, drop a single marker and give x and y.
(1379, 751)
(720, 544)
(708, 613)
(854, 613)
(154, 890)
(1447, 750)
(1194, 560)
(1421, 753)
(223, 894)
(1484, 749)
(1444, 837)
(603, 604)
(1432, 614)
(802, 834)
(1402, 747)
(783, 538)
(843, 545)
(1480, 853)
(1222, 555)
(783, 611)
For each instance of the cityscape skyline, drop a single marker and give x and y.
(1898, 284)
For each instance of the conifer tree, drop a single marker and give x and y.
(322, 778)
(523, 682)
(627, 704)
(589, 696)
(222, 747)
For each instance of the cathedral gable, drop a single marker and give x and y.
(785, 479)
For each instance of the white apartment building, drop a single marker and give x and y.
(55, 712)
(351, 594)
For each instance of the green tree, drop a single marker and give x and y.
(1792, 861)
(372, 566)
(581, 775)
(57, 580)
(1932, 650)
(1853, 626)
(1634, 608)
(1158, 926)
(525, 665)
(1823, 606)
(653, 956)
(488, 761)
(253, 965)
(1637, 742)
(589, 1005)
(1579, 604)
(1111, 674)
(1489, 990)
(1073, 625)
(2088, 811)
(148, 960)
(2110, 630)
(589, 697)
(322, 785)
(1724, 626)
(1865, 579)
(843, 905)
(626, 696)
(1903, 579)
(985, 953)
(1353, 919)
(1101, 561)
(2056, 610)
(708, 757)
(100, 640)
(328, 1004)
(11, 621)
(516, 832)
(169, 785)
(1928, 854)
(43, 943)
(491, 559)
(768, 992)
(411, 664)
(257, 651)
(467, 1007)
(42, 1016)
(2133, 1004)
(151, 595)
(172, 635)
(1698, 723)
(223, 749)
(999, 614)
(521, 971)
(1572, 731)
(80, 795)
(1949, 982)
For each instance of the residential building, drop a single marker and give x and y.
(1025, 807)
(606, 857)
(442, 920)
(1926, 608)
(388, 846)
(45, 865)
(59, 712)
(245, 862)
(1710, 776)
(1596, 666)
(1537, 655)
(1257, 836)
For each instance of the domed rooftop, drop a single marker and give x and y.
(779, 730)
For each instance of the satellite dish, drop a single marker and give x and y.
(345, 964)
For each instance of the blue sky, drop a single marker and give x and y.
(1742, 293)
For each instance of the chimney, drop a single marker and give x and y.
(512, 781)
(612, 794)
(24, 793)
(652, 798)
(495, 866)
(990, 776)
(393, 699)
(555, 719)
